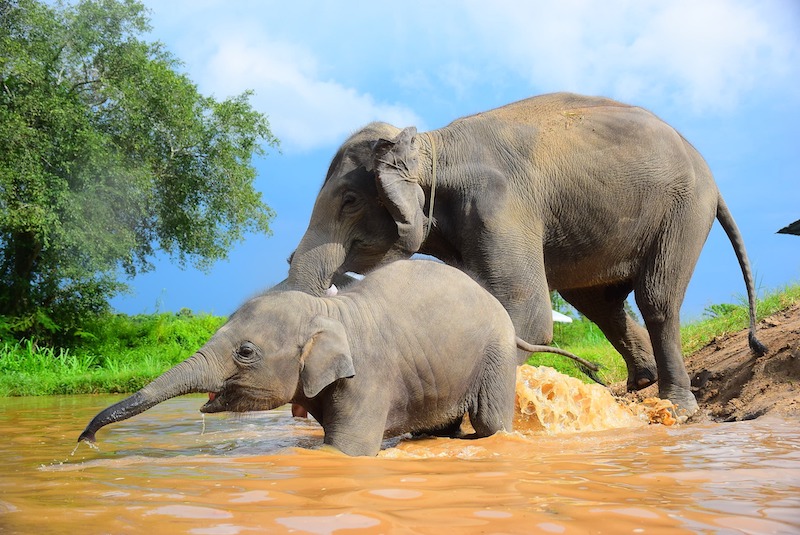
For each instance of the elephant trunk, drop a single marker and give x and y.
(195, 374)
(314, 265)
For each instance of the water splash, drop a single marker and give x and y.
(658, 411)
(548, 402)
(56, 465)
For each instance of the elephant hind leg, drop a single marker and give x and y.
(605, 306)
(492, 409)
(487, 421)
(659, 291)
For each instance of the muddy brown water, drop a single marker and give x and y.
(170, 471)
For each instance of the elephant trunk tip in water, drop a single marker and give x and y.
(195, 374)
(88, 437)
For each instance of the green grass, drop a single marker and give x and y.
(122, 353)
(723, 319)
(119, 354)
(583, 338)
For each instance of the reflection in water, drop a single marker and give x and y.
(159, 473)
(324, 525)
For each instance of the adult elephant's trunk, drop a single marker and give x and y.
(314, 265)
(195, 374)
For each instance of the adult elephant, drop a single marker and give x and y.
(584, 195)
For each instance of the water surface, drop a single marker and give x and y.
(169, 471)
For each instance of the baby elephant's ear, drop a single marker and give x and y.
(326, 355)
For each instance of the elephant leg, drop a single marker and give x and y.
(368, 444)
(488, 419)
(516, 277)
(605, 306)
(355, 422)
(493, 410)
(673, 380)
(491, 414)
(659, 292)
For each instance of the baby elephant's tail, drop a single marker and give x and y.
(588, 367)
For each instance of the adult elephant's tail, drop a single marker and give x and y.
(726, 220)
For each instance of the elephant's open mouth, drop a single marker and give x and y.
(214, 404)
(241, 401)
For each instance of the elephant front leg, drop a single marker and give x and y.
(354, 444)
(533, 320)
(355, 427)
(516, 277)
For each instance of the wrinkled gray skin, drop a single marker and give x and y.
(411, 348)
(584, 195)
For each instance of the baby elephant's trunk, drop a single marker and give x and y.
(191, 375)
(130, 406)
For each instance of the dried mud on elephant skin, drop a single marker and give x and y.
(731, 384)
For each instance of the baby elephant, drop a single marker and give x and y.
(411, 348)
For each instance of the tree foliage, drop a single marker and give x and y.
(109, 153)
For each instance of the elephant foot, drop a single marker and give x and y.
(683, 400)
(640, 379)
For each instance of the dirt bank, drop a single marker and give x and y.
(731, 384)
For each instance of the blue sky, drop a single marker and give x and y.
(725, 73)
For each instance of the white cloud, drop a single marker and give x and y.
(713, 52)
(321, 71)
(305, 110)
(707, 54)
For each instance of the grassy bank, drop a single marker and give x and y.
(123, 353)
(119, 354)
(583, 338)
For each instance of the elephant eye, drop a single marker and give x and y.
(349, 202)
(246, 354)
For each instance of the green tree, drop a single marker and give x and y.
(107, 154)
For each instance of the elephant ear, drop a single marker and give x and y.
(326, 356)
(396, 163)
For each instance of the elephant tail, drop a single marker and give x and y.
(588, 367)
(729, 225)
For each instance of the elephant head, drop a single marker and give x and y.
(273, 350)
(369, 211)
